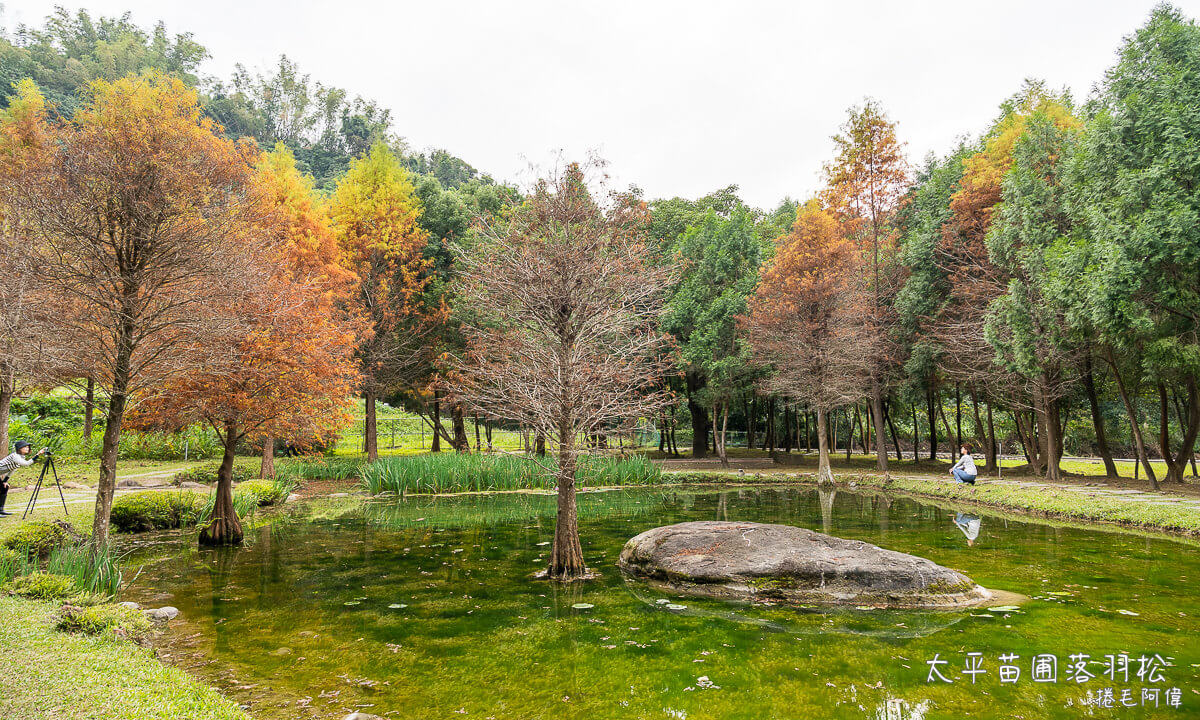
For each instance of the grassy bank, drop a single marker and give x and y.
(1155, 513)
(51, 674)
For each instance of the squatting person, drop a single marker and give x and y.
(8, 465)
(964, 470)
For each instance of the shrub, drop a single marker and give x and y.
(43, 586)
(207, 474)
(267, 492)
(101, 619)
(156, 510)
(37, 538)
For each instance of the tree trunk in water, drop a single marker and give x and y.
(223, 527)
(461, 444)
(1089, 386)
(700, 422)
(89, 409)
(370, 428)
(7, 391)
(881, 457)
(1131, 410)
(268, 459)
(566, 557)
(824, 473)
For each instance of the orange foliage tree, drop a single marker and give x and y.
(975, 281)
(290, 371)
(135, 214)
(375, 217)
(867, 181)
(806, 320)
(313, 258)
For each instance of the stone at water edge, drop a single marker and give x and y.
(362, 716)
(162, 614)
(131, 605)
(755, 561)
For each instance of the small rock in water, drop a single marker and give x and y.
(362, 716)
(676, 606)
(282, 651)
(397, 606)
(162, 614)
(130, 605)
(583, 606)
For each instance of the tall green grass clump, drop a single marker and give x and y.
(461, 472)
(14, 563)
(320, 468)
(94, 573)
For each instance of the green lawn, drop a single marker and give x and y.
(50, 674)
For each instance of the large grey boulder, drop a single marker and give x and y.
(759, 562)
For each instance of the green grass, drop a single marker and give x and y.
(51, 674)
(474, 472)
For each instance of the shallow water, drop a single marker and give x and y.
(425, 609)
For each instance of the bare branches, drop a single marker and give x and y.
(568, 298)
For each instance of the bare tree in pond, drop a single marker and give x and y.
(567, 297)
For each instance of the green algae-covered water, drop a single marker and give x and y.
(425, 609)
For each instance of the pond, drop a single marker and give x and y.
(424, 609)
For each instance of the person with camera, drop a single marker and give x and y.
(8, 465)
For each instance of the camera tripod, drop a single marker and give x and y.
(48, 465)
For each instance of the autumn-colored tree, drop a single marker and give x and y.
(136, 217)
(312, 258)
(867, 180)
(567, 296)
(23, 136)
(975, 282)
(806, 321)
(291, 370)
(375, 219)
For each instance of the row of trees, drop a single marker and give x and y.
(1049, 264)
(170, 275)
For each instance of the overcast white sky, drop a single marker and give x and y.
(681, 97)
